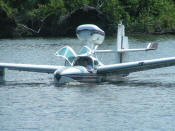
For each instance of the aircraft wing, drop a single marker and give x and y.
(129, 67)
(31, 67)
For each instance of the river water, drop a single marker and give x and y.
(144, 101)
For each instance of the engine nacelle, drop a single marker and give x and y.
(90, 33)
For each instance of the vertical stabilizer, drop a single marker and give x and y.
(122, 40)
(122, 47)
(121, 44)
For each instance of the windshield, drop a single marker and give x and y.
(67, 53)
(85, 50)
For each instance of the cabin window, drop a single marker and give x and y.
(96, 63)
(81, 60)
(62, 52)
(67, 63)
(85, 50)
(67, 53)
(70, 56)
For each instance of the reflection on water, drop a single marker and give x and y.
(32, 102)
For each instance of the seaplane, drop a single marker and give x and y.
(86, 67)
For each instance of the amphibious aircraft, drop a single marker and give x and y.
(85, 66)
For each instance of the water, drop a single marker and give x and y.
(145, 101)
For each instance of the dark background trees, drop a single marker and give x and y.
(146, 16)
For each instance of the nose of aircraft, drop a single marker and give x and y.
(57, 75)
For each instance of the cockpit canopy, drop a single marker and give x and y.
(67, 53)
(72, 59)
(85, 51)
(86, 60)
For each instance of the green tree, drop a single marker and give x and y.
(71, 5)
(55, 7)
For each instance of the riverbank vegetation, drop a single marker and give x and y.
(60, 17)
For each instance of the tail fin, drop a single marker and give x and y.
(122, 40)
(122, 45)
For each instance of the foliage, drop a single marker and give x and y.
(71, 5)
(11, 12)
(114, 12)
(55, 7)
(167, 18)
(138, 15)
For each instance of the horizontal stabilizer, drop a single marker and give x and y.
(151, 46)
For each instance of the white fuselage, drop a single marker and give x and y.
(80, 74)
(75, 74)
